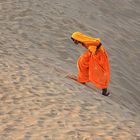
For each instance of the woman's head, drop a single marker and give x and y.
(87, 40)
(76, 38)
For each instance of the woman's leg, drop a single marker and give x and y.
(83, 72)
(83, 67)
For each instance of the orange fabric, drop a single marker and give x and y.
(83, 67)
(99, 69)
(93, 67)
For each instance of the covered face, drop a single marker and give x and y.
(85, 39)
(75, 41)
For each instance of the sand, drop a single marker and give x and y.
(37, 101)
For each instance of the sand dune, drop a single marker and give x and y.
(37, 101)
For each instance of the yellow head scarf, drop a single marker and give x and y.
(85, 39)
(92, 43)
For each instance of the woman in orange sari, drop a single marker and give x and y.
(93, 65)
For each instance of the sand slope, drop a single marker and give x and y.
(37, 102)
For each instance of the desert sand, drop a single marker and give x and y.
(37, 101)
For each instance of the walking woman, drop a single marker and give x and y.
(93, 65)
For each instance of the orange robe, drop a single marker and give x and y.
(93, 67)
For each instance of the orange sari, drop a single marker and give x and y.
(93, 66)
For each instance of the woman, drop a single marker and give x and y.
(93, 65)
